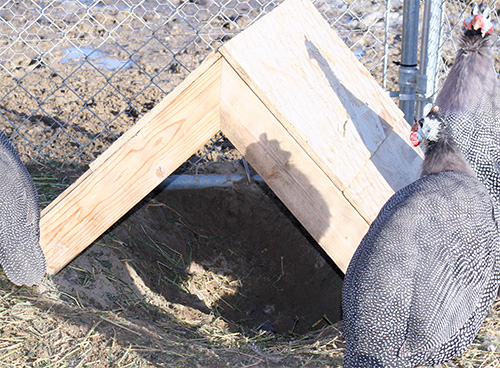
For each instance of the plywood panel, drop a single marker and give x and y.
(313, 83)
(289, 171)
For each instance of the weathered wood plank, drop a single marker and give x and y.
(289, 171)
(300, 107)
(137, 162)
(310, 80)
(393, 159)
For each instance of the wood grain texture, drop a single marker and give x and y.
(298, 105)
(325, 98)
(369, 191)
(137, 162)
(289, 171)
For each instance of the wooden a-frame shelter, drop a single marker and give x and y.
(299, 106)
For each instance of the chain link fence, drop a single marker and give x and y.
(76, 74)
(454, 13)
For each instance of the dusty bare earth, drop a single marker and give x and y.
(206, 278)
(232, 252)
(220, 277)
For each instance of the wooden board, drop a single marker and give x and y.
(298, 105)
(326, 99)
(133, 166)
(289, 171)
(393, 159)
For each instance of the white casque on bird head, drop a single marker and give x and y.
(480, 19)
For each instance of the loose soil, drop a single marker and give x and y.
(235, 253)
(220, 277)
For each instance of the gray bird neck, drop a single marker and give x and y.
(471, 77)
(443, 156)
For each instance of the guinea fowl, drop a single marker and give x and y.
(427, 271)
(20, 253)
(469, 100)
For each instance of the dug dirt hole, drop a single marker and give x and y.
(234, 252)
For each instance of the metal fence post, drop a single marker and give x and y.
(429, 56)
(408, 68)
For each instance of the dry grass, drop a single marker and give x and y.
(54, 326)
(55, 330)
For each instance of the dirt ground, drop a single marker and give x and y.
(232, 252)
(225, 273)
(219, 277)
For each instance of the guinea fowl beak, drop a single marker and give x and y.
(477, 22)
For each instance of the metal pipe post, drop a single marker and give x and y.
(408, 69)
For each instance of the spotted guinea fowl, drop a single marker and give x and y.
(469, 100)
(21, 256)
(427, 271)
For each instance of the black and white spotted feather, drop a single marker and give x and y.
(426, 273)
(469, 101)
(21, 256)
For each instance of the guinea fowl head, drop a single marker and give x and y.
(471, 81)
(427, 129)
(441, 152)
(480, 19)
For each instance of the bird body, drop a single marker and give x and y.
(21, 256)
(469, 101)
(426, 273)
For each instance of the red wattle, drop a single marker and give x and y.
(414, 139)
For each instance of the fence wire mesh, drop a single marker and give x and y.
(455, 11)
(76, 74)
